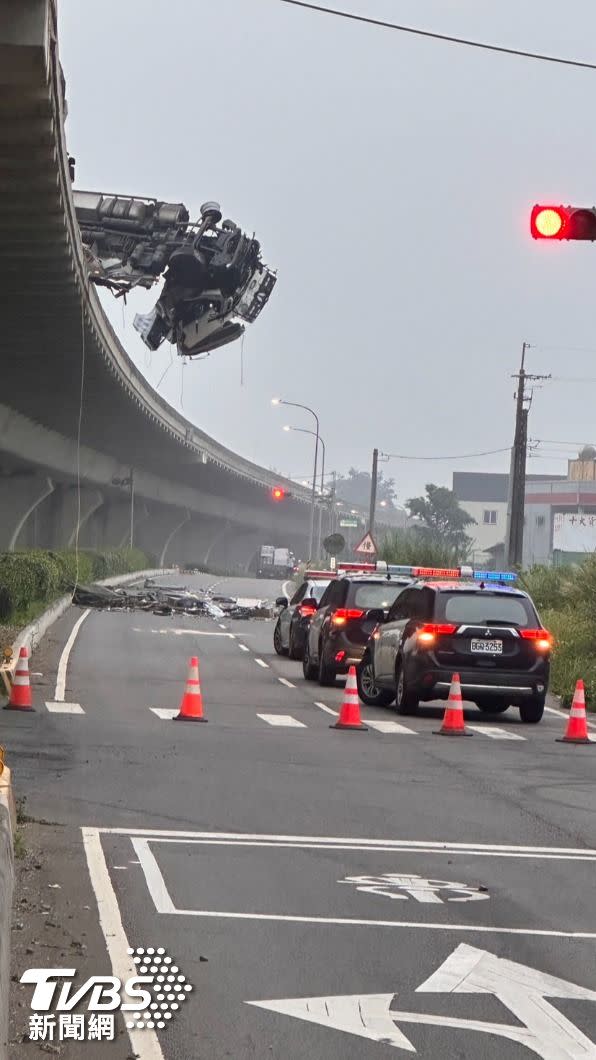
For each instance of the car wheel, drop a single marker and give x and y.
(294, 651)
(531, 712)
(406, 701)
(327, 673)
(492, 706)
(367, 689)
(308, 668)
(277, 641)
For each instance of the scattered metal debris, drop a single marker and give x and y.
(170, 600)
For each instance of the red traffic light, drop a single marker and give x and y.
(563, 222)
(278, 493)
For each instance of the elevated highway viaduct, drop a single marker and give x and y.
(76, 416)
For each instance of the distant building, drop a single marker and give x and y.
(484, 496)
(560, 517)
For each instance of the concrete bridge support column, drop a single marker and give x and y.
(20, 498)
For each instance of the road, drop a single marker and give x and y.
(328, 894)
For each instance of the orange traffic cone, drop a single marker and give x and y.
(20, 693)
(577, 726)
(349, 715)
(191, 706)
(453, 719)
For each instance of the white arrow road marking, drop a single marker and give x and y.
(367, 1016)
(522, 990)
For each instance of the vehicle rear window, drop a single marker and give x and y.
(373, 594)
(485, 608)
(316, 590)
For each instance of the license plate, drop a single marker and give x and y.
(487, 647)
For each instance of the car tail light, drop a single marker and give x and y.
(345, 614)
(428, 633)
(340, 656)
(541, 638)
(307, 608)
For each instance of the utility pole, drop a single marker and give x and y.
(132, 506)
(517, 475)
(373, 492)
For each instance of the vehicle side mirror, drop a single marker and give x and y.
(282, 601)
(376, 614)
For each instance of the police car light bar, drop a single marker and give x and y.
(494, 575)
(320, 574)
(463, 571)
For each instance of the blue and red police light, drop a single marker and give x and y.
(563, 222)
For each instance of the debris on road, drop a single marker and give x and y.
(170, 600)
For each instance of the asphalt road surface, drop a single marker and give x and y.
(327, 894)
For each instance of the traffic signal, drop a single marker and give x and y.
(278, 493)
(563, 222)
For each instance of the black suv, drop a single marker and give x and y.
(350, 608)
(289, 635)
(490, 634)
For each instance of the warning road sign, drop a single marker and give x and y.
(367, 546)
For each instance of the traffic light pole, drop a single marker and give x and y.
(517, 475)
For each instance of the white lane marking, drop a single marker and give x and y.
(62, 665)
(521, 989)
(165, 713)
(64, 708)
(284, 681)
(413, 925)
(144, 1044)
(243, 647)
(559, 713)
(184, 632)
(221, 625)
(282, 719)
(390, 726)
(328, 710)
(357, 843)
(261, 662)
(494, 732)
(155, 881)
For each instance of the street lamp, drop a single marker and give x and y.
(304, 430)
(306, 408)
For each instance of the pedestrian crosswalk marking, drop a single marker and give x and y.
(64, 708)
(391, 726)
(282, 719)
(495, 732)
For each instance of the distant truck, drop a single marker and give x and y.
(274, 562)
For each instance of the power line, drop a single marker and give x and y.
(439, 36)
(459, 456)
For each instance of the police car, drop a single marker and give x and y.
(350, 609)
(476, 623)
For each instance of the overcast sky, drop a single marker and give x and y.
(389, 180)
